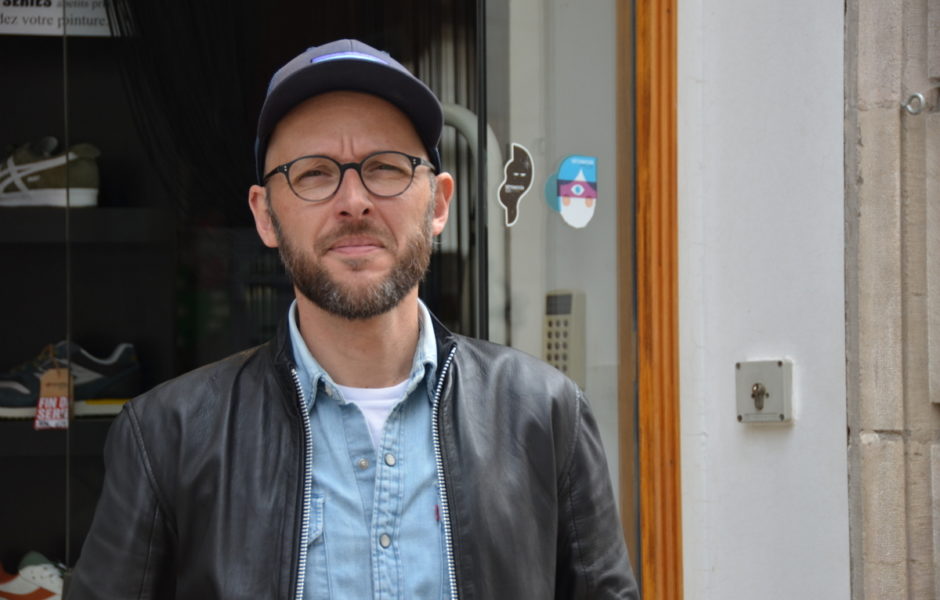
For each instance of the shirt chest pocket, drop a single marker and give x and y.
(317, 581)
(315, 525)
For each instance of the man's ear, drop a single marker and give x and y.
(443, 194)
(260, 208)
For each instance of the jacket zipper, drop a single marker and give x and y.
(439, 460)
(305, 514)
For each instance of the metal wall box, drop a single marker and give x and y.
(763, 390)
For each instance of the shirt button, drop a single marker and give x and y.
(390, 459)
(385, 540)
(363, 463)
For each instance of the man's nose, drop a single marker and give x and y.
(352, 198)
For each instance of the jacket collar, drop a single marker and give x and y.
(284, 351)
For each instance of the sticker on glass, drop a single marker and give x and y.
(572, 191)
(516, 182)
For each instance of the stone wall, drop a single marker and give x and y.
(892, 297)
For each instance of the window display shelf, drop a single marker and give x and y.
(18, 438)
(94, 225)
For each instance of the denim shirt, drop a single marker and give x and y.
(375, 529)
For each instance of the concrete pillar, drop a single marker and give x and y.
(893, 298)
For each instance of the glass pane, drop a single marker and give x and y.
(33, 253)
(556, 200)
(157, 251)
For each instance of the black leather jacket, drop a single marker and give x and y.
(204, 492)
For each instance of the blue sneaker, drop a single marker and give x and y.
(102, 385)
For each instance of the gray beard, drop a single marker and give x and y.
(315, 283)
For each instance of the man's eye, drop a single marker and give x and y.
(312, 173)
(385, 168)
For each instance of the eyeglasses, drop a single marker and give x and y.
(316, 178)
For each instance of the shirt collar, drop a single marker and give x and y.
(311, 374)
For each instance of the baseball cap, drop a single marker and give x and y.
(355, 66)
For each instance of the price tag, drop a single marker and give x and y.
(52, 409)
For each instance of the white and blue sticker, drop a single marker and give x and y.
(572, 191)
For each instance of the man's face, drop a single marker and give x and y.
(355, 255)
(312, 278)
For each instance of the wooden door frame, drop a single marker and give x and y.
(647, 136)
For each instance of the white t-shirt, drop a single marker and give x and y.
(376, 404)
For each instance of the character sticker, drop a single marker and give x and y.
(572, 191)
(516, 182)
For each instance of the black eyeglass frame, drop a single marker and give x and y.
(416, 161)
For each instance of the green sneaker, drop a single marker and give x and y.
(35, 175)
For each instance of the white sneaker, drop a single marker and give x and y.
(36, 568)
(23, 585)
(35, 175)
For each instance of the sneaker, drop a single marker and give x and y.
(38, 579)
(102, 385)
(38, 569)
(35, 175)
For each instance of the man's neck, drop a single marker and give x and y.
(367, 353)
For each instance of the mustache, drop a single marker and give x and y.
(354, 228)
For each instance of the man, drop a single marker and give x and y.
(365, 451)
